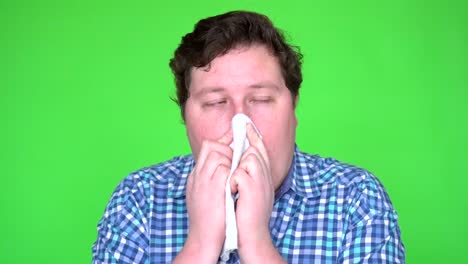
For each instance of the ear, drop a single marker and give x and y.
(295, 120)
(295, 101)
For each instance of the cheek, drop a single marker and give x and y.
(269, 132)
(278, 132)
(203, 129)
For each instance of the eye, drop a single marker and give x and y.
(215, 103)
(261, 100)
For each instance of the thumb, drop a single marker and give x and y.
(226, 138)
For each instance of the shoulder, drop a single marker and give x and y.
(126, 222)
(328, 168)
(161, 173)
(323, 174)
(164, 179)
(141, 189)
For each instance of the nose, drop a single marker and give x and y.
(240, 107)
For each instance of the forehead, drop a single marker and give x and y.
(245, 66)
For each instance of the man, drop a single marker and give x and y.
(292, 207)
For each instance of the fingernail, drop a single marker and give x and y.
(249, 127)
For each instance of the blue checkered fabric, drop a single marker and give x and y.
(326, 211)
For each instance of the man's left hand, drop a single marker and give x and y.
(253, 181)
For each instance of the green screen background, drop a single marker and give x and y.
(85, 93)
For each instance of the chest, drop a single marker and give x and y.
(304, 230)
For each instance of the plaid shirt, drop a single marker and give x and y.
(324, 212)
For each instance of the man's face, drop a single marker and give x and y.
(245, 80)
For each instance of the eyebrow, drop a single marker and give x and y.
(211, 90)
(208, 90)
(264, 85)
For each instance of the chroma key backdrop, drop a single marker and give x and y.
(85, 92)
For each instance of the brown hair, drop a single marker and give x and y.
(217, 35)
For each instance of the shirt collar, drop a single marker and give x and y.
(302, 176)
(287, 183)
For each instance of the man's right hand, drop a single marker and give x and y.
(205, 198)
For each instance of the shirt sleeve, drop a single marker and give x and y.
(122, 236)
(372, 235)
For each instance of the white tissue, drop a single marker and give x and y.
(239, 145)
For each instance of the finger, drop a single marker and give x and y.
(263, 161)
(254, 166)
(220, 176)
(213, 161)
(212, 146)
(240, 181)
(226, 139)
(256, 141)
(190, 184)
(251, 150)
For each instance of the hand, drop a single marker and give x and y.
(254, 183)
(205, 200)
